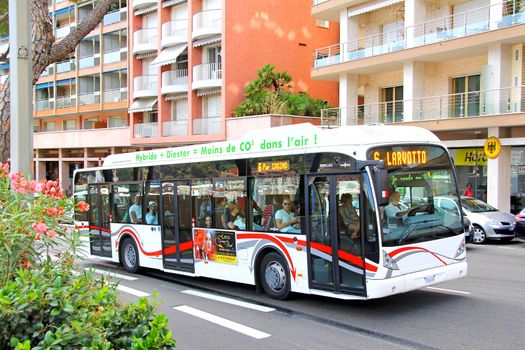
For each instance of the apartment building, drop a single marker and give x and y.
(454, 67)
(191, 59)
(80, 104)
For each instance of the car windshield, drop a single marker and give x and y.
(476, 206)
(417, 174)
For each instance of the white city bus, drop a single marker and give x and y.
(269, 210)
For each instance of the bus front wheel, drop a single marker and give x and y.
(275, 277)
(129, 255)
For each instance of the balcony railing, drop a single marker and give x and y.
(145, 40)
(175, 81)
(63, 31)
(452, 106)
(43, 105)
(89, 98)
(175, 128)
(207, 125)
(146, 130)
(65, 102)
(113, 17)
(65, 66)
(174, 32)
(115, 56)
(207, 71)
(89, 61)
(207, 22)
(115, 95)
(145, 86)
(436, 30)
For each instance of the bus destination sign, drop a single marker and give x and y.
(283, 165)
(402, 158)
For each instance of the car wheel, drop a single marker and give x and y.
(275, 276)
(129, 255)
(479, 236)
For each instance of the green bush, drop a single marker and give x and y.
(46, 302)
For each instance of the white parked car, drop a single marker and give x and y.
(488, 222)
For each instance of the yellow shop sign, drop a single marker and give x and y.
(470, 156)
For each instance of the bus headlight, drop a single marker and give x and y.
(461, 248)
(389, 262)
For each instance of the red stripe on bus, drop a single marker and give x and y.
(404, 249)
(274, 240)
(345, 256)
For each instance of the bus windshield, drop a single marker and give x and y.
(416, 175)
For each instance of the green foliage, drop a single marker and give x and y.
(4, 25)
(45, 301)
(270, 94)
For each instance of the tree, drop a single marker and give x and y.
(271, 93)
(45, 51)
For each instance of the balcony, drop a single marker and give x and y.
(115, 95)
(103, 137)
(43, 105)
(145, 86)
(114, 17)
(175, 128)
(433, 31)
(115, 56)
(65, 102)
(174, 81)
(89, 61)
(145, 40)
(63, 31)
(207, 75)
(65, 66)
(207, 125)
(89, 98)
(174, 32)
(453, 106)
(145, 130)
(330, 9)
(140, 4)
(207, 23)
(48, 71)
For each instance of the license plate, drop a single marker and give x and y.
(430, 279)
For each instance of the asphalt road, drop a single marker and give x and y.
(485, 310)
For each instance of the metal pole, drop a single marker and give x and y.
(21, 79)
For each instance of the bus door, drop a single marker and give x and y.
(177, 240)
(335, 244)
(99, 219)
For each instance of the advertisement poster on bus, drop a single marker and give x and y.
(215, 245)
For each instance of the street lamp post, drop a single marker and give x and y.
(21, 79)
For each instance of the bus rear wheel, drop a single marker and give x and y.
(275, 277)
(129, 255)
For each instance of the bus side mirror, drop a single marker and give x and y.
(381, 185)
(379, 177)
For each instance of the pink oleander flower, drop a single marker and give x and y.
(51, 233)
(82, 206)
(19, 183)
(4, 169)
(40, 227)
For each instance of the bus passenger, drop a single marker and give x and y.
(208, 223)
(348, 216)
(151, 215)
(229, 216)
(135, 211)
(285, 218)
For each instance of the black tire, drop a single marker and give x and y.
(275, 277)
(129, 255)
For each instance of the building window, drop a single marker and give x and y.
(392, 106)
(49, 126)
(322, 24)
(69, 125)
(466, 95)
(90, 123)
(116, 122)
(179, 110)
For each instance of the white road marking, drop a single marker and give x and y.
(448, 290)
(113, 274)
(229, 301)
(132, 291)
(510, 248)
(237, 327)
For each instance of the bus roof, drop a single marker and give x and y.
(291, 138)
